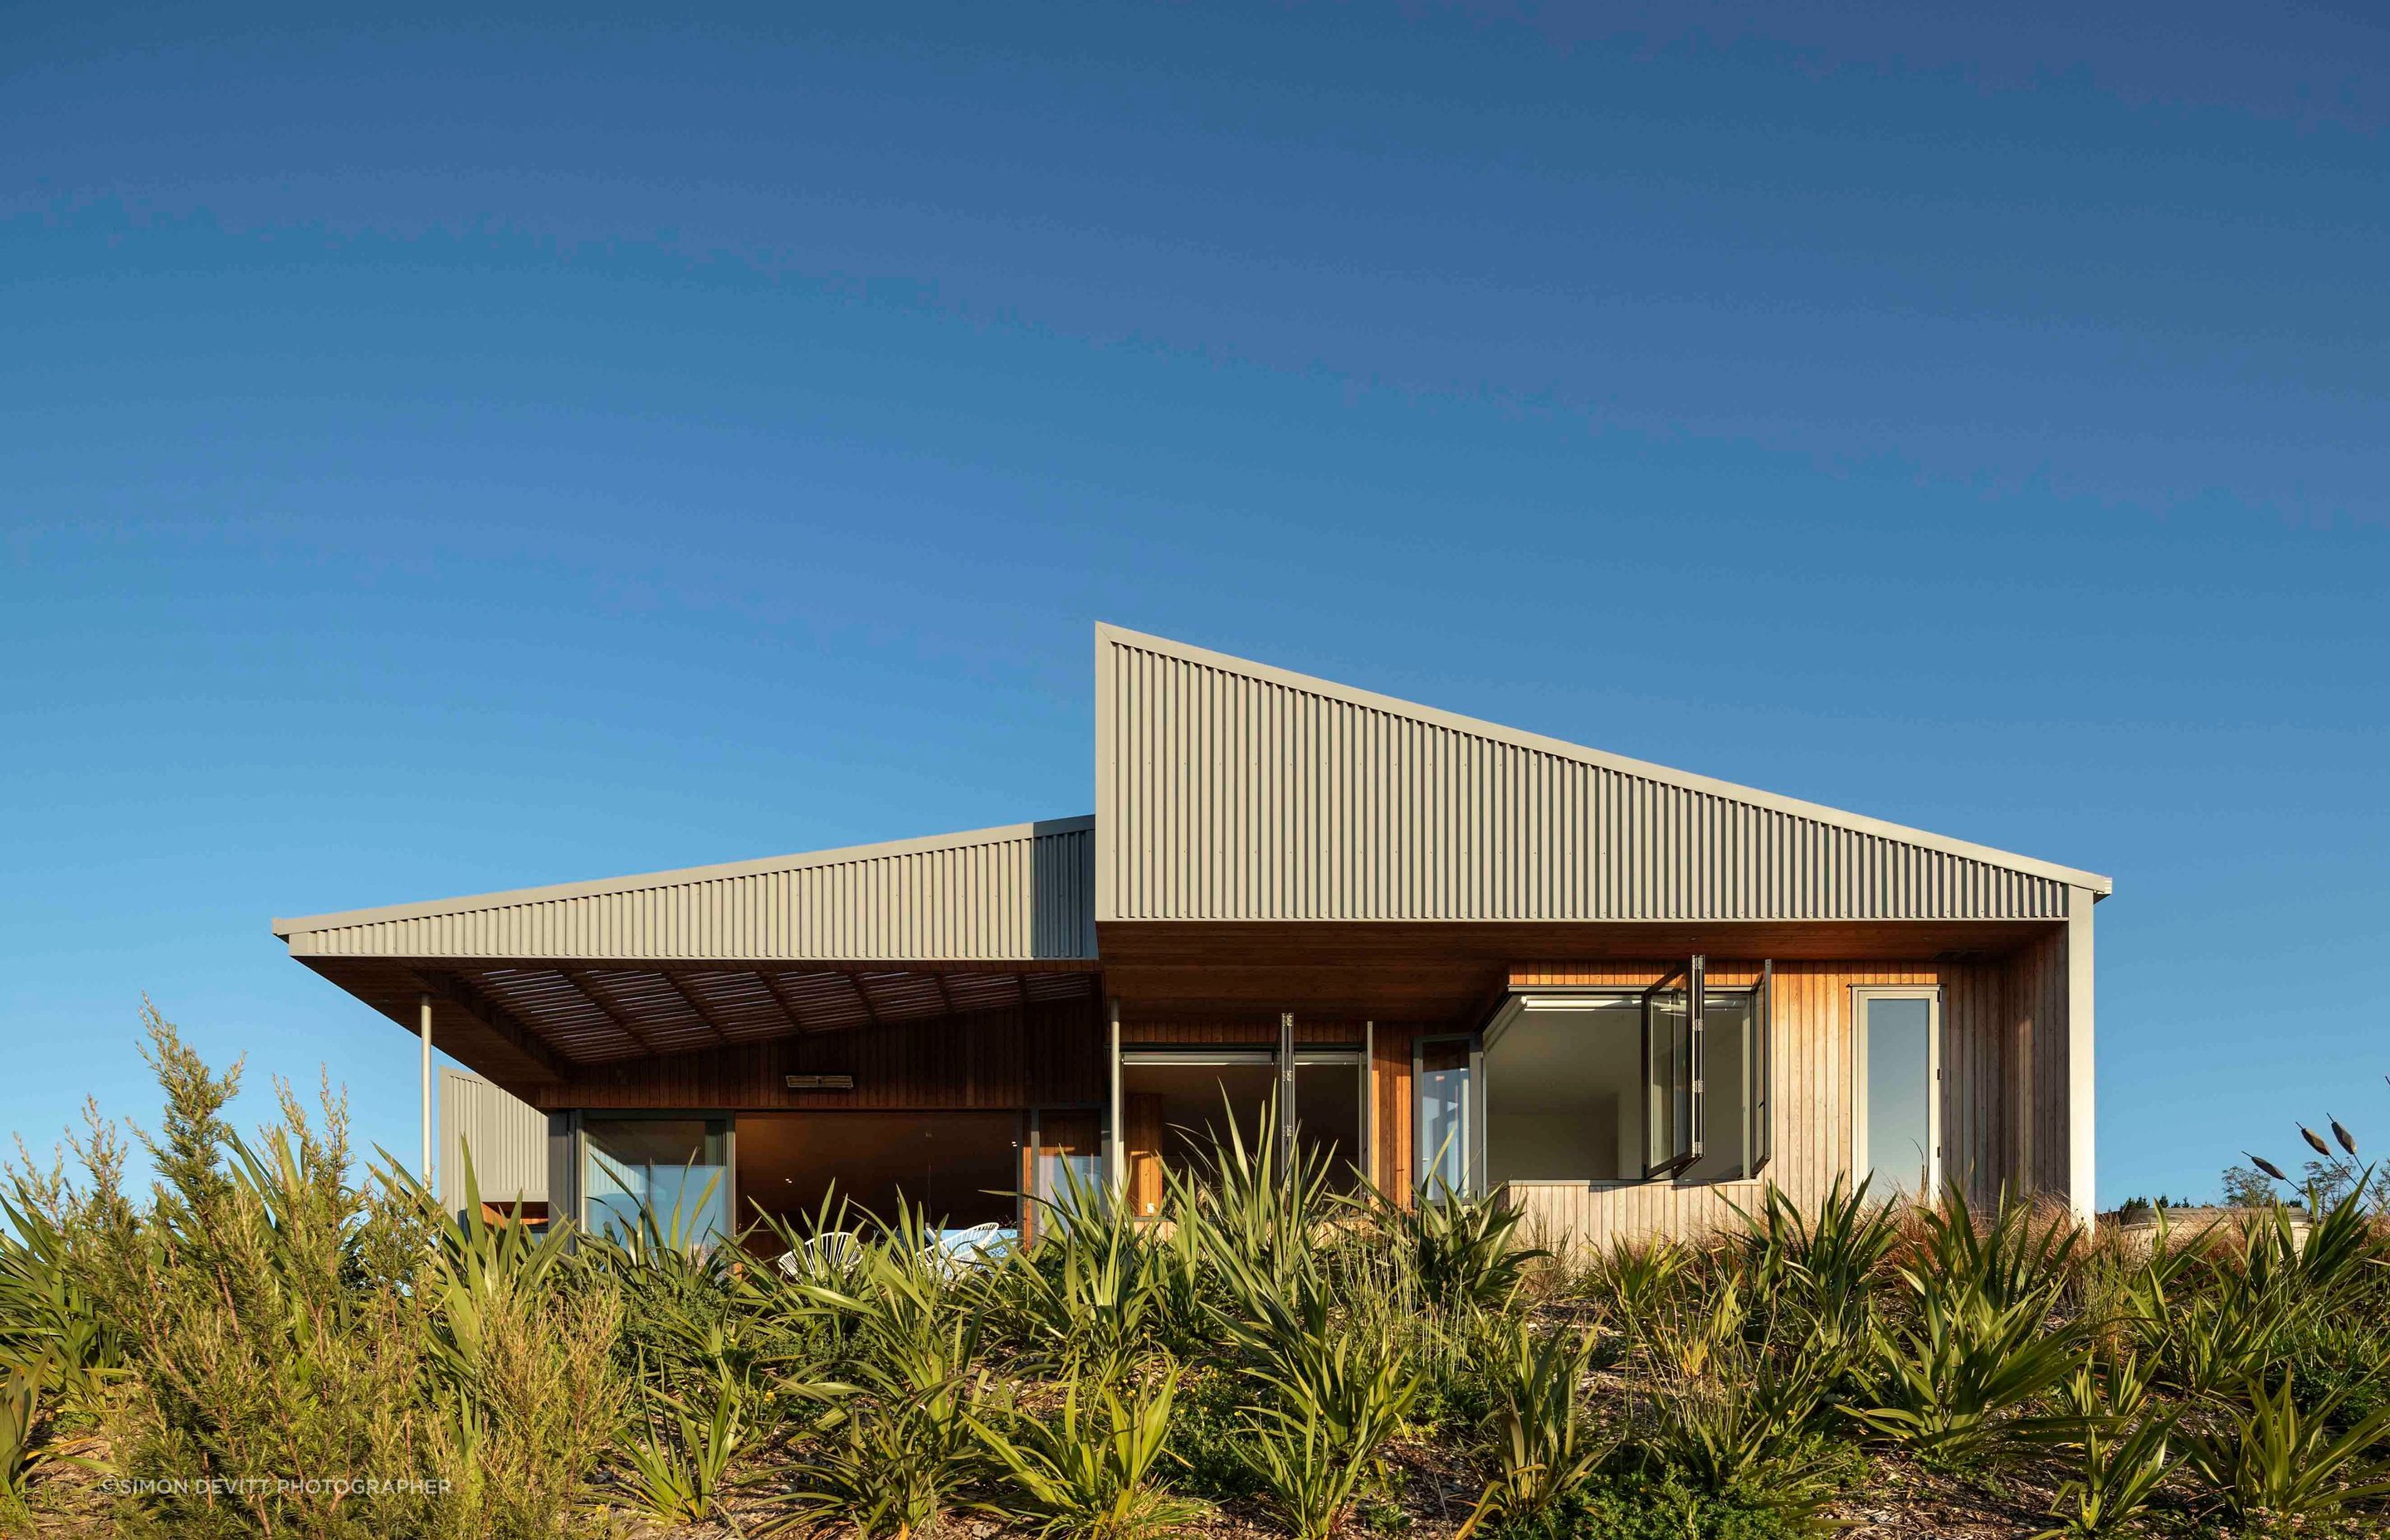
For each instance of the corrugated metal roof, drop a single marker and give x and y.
(1230, 790)
(1015, 893)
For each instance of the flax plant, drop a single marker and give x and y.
(1094, 1470)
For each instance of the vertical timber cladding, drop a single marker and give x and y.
(1230, 790)
(1992, 1012)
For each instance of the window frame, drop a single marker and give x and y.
(720, 1123)
(1472, 1114)
(1862, 1162)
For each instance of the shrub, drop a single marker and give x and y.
(2272, 1461)
(1544, 1447)
(2119, 1450)
(1636, 1506)
(1095, 1468)
(896, 1441)
(1810, 1276)
(1335, 1395)
(1206, 1431)
(1945, 1385)
(1737, 1419)
(1084, 1296)
(1635, 1282)
(1461, 1251)
(680, 1464)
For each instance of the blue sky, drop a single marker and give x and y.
(451, 455)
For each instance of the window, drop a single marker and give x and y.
(665, 1179)
(1329, 1087)
(1617, 1085)
(1561, 1090)
(1175, 1105)
(1068, 1168)
(1730, 1029)
(1897, 1072)
(1443, 1117)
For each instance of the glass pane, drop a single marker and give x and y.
(1899, 1051)
(1762, 1067)
(956, 1169)
(1562, 1098)
(1181, 1117)
(1668, 1079)
(1328, 1118)
(1726, 1021)
(1445, 1133)
(659, 1177)
(1067, 1153)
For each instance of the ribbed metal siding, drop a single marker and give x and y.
(508, 1140)
(1228, 796)
(1027, 896)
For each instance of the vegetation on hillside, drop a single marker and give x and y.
(279, 1341)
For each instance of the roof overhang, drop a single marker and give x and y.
(1446, 971)
(529, 1021)
(536, 985)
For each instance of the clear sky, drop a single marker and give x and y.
(451, 455)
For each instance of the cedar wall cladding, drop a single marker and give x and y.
(2003, 1093)
(1030, 1055)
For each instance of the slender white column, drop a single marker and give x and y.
(427, 1090)
(2081, 1168)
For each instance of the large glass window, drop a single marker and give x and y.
(952, 1169)
(1328, 1114)
(1067, 1166)
(1174, 1105)
(1897, 1063)
(1672, 1123)
(1618, 1087)
(1563, 1086)
(666, 1178)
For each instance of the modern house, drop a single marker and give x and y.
(1443, 950)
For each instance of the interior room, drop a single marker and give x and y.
(963, 1168)
(1571, 1096)
(1173, 1107)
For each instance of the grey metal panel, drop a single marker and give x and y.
(1229, 791)
(507, 1137)
(1019, 892)
(564, 1166)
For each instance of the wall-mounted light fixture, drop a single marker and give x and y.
(819, 1083)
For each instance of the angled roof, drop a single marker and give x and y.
(1230, 790)
(1016, 893)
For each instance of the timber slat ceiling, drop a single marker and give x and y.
(599, 1016)
(999, 895)
(1229, 791)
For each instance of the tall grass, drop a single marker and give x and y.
(275, 1310)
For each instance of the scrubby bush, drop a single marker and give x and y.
(274, 1311)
